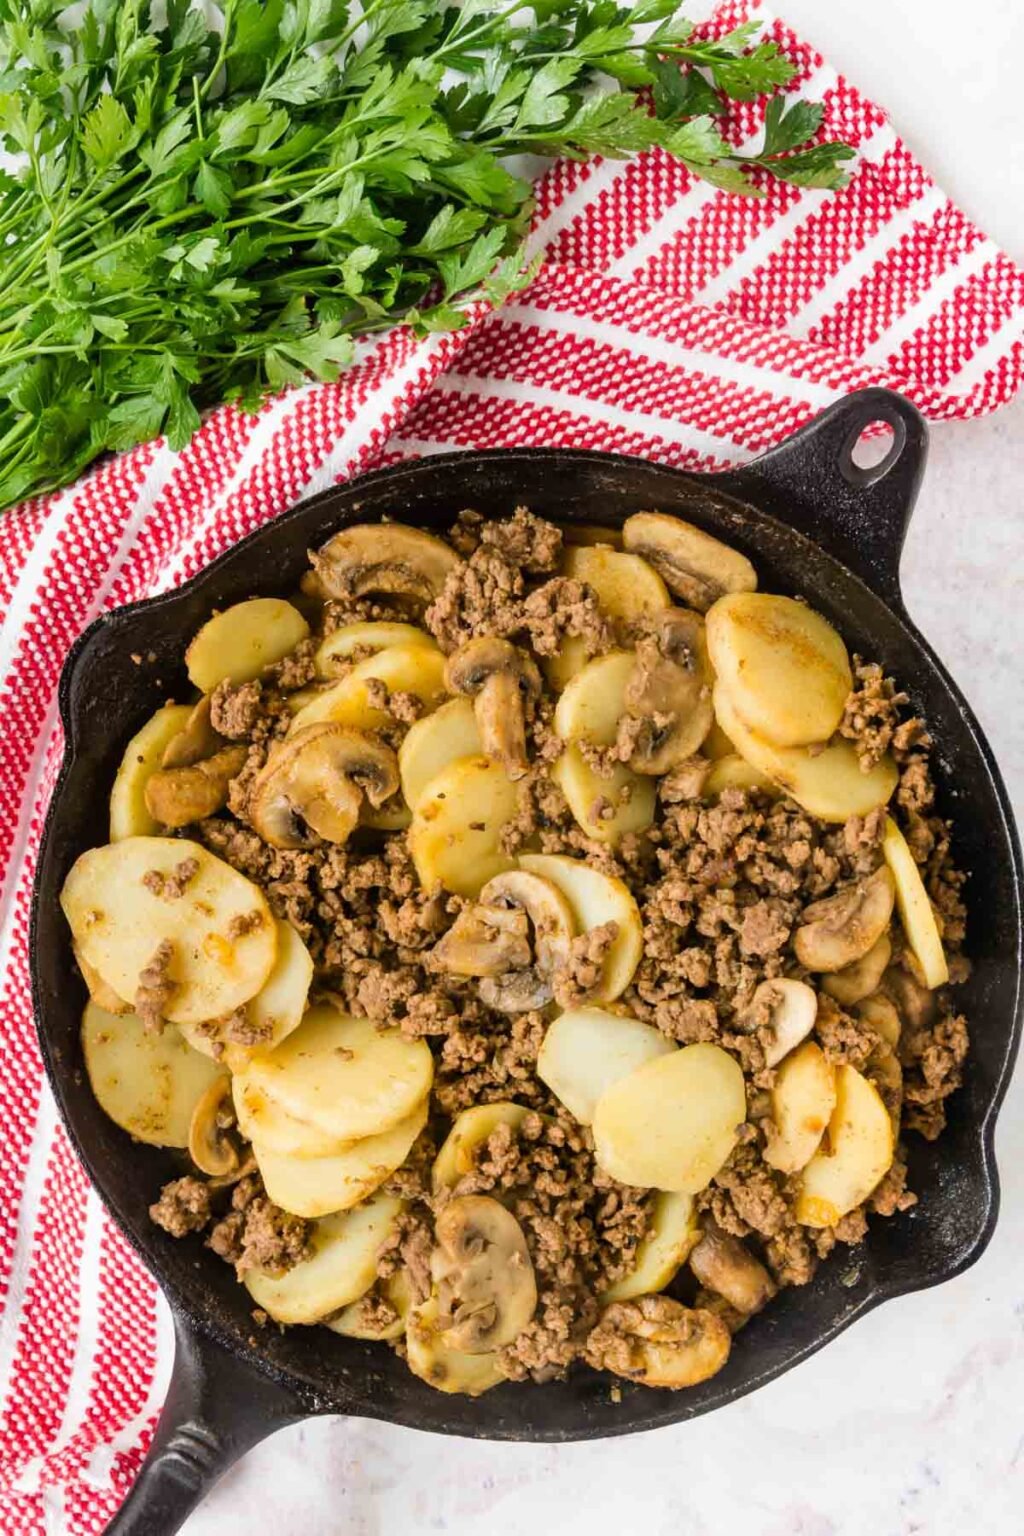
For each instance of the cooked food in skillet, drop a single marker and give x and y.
(538, 944)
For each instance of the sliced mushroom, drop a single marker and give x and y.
(197, 741)
(659, 1342)
(481, 1267)
(670, 692)
(915, 1003)
(791, 1007)
(384, 557)
(176, 797)
(857, 981)
(725, 1266)
(316, 780)
(485, 941)
(553, 926)
(883, 1070)
(498, 677)
(843, 928)
(697, 567)
(213, 1141)
(880, 1012)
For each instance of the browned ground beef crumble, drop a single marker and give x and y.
(721, 887)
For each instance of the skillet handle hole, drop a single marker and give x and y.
(871, 449)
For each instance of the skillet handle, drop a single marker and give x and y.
(217, 1408)
(859, 515)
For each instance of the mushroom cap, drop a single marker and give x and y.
(176, 797)
(210, 1144)
(384, 557)
(692, 564)
(197, 741)
(670, 690)
(481, 1266)
(474, 663)
(319, 777)
(554, 927)
(497, 676)
(724, 1265)
(792, 1007)
(485, 941)
(843, 928)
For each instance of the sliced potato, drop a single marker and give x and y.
(430, 744)
(784, 667)
(914, 907)
(659, 1342)
(589, 533)
(455, 836)
(147, 1083)
(803, 1099)
(858, 1153)
(734, 772)
(261, 1119)
(696, 566)
(411, 668)
(626, 587)
(343, 1265)
(672, 1122)
(672, 1235)
(631, 796)
(351, 1321)
(594, 701)
(586, 1050)
(470, 1129)
(371, 635)
(118, 924)
(829, 784)
(100, 993)
(319, 1185)
(717, 744)
(277, 1007)
(236, 645)
(597, 898)
(344, 1075)
(446, 1369)
(129, 816)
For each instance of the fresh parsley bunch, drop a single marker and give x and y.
(193, 212)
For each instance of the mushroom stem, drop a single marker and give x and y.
(502, 724)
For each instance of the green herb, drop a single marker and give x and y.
(194, 213)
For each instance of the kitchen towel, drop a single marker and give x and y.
(668, 320)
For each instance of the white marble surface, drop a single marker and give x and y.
(911, 1422)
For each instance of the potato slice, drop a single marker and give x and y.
(695, 566)
(236, 645)
(147, 1083)
(734, 772)
(914, 907)
(784, 667)
(469, 1131)
(586, 1050)
(118, 924)
(319, 1185)
(858, 1153)
(626, 587)
(343, 1265)
(277, 1007)
(672, 1235)
(717, 744)
(631, 796)
(658, 1341)
(596, 898)
(375, 636)
(828, 784)
(344, 1075)
(417, 668)
(351, 1322)
(455, 836)
(589, 533)
(594, 701)
(129, 816)
(98, 990)
(803, 1099)
(672, 1122)
(430, 744)
(261, 1119)
(446, 1369)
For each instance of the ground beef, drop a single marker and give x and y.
(932, 1057)
(564, 608)
(582, 972)
(617, 1343)
(183, 1206)
(256, 1234)
(156, 988)
(173, 886)
(296, 669)
(482, 596)
(524, 540)
(846, 1040)
(234, 709)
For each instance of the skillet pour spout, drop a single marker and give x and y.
(815, 524)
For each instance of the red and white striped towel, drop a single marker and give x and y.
(670, 320)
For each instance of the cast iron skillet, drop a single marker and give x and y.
(814, 523)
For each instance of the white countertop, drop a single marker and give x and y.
(912, 1421)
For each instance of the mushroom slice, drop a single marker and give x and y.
(213, 1143)
(316, 779)
(384, 557)
(843, 928)
(483, 1274)
(485, 941)
(792, 1009)
(431, 1356)
(177, 797)
(552, 928)
(697, 567)
(129, 815)
(596, 898)
(659, 1342)
(857, 981)
(197, 739)
(498, 677)
(670, 691)
(724, 1265)
(236, 645)
(880, 1012)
